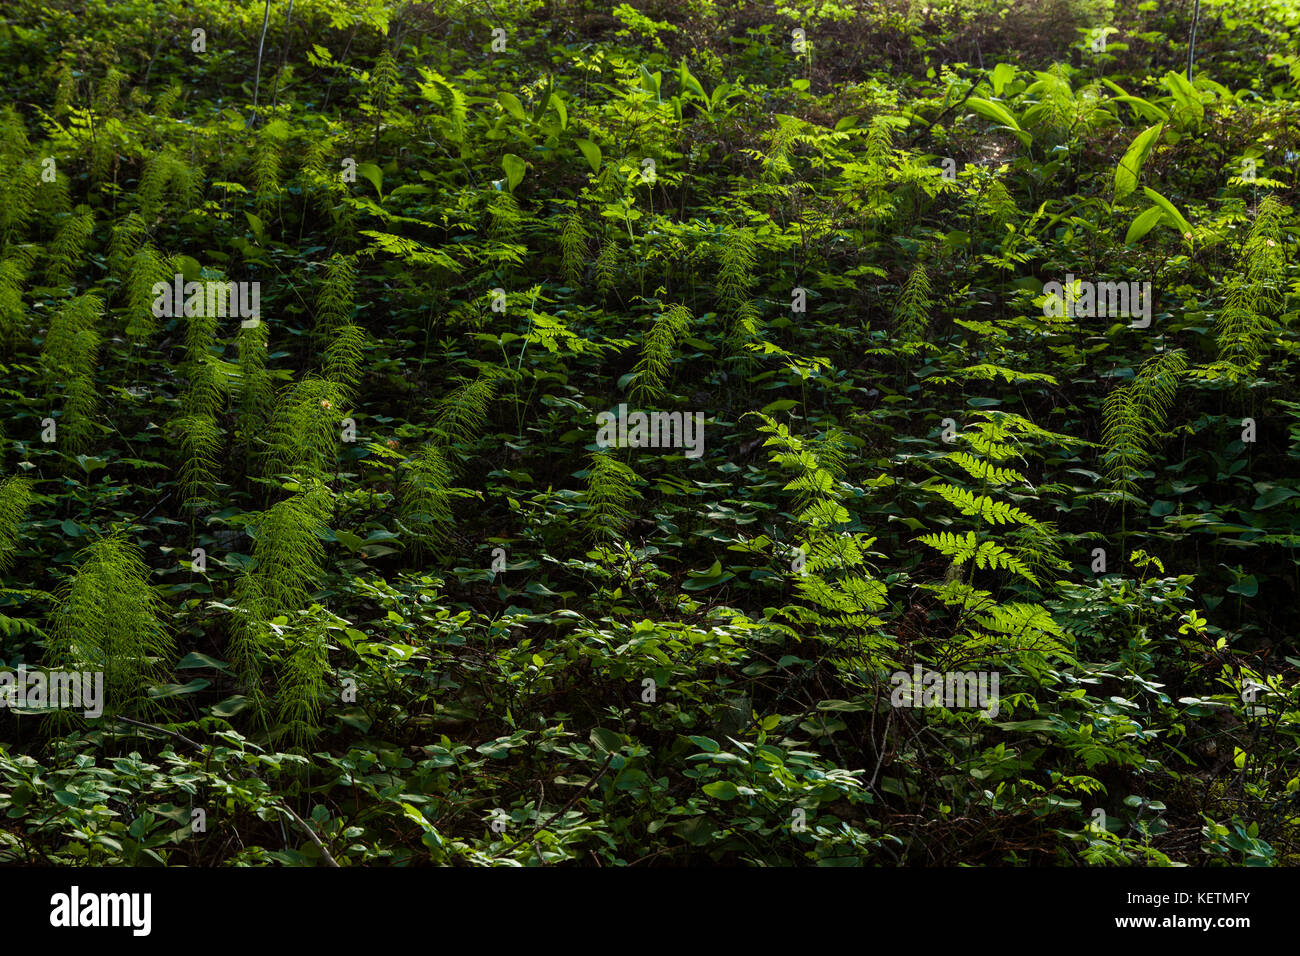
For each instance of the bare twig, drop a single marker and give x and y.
(974, 83)
(284, 49)
(560, 812)
(324, 851)
(162, 730)
(257, 78)
(288, 811)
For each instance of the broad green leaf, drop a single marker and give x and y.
(721, 790)
(1145, 108)
(689, 82)
(999, 114)
(606, 741)
(560, 110)
(1144, 223)
(1130, 166)
(374, 175)
(1184, 227)
(514, 167)
(195, 659)
(510, 103)
(177, 690)
(649, 81)
(1189, 110)
(592, 152)
(1001, 75)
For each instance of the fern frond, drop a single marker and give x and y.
(986, 472)
(658, 350)
(504, 217)
(1134, 415)
(611, 489)
(127, 235)
(15, 501)
(167, 177)
(69, 357)
(336, 302)
(608, 264)
(13, 316)
(287, 566)
(305, 429)
(343, 359)
(737, 261)
(19, 195)
(252, 382)
(573, 245)
(67, 250)
(986, 372)
(385, 82)
(982, 506)
(267, 150)
(109, 618)
(425, 498)
(199, 441)
(912, 311)
(985, 554)
(461, 415)
(302, 684)
(147, 268)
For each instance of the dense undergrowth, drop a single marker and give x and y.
(365, 586)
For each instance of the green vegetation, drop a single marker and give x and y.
(950, 340)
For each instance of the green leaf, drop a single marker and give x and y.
(1189, 110)
(374, 175)
(999, 114)
(1027, 725)
(230, 706)
(721, 790)
(689, 82)
(514, 167)
(1184, 227)
(1148, 110)
(702, 580)
(649, 81)
(841, 706)
(195, 659)
(510, 103)
(178, 690)
(189, 267)
(606, 741)
(349, 540)
(560, 110)
(1001, 75)
(1144, 223)
(714, 571)
(1130, 166)
(1246, 587)
(592, 152)
(1272, 495)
